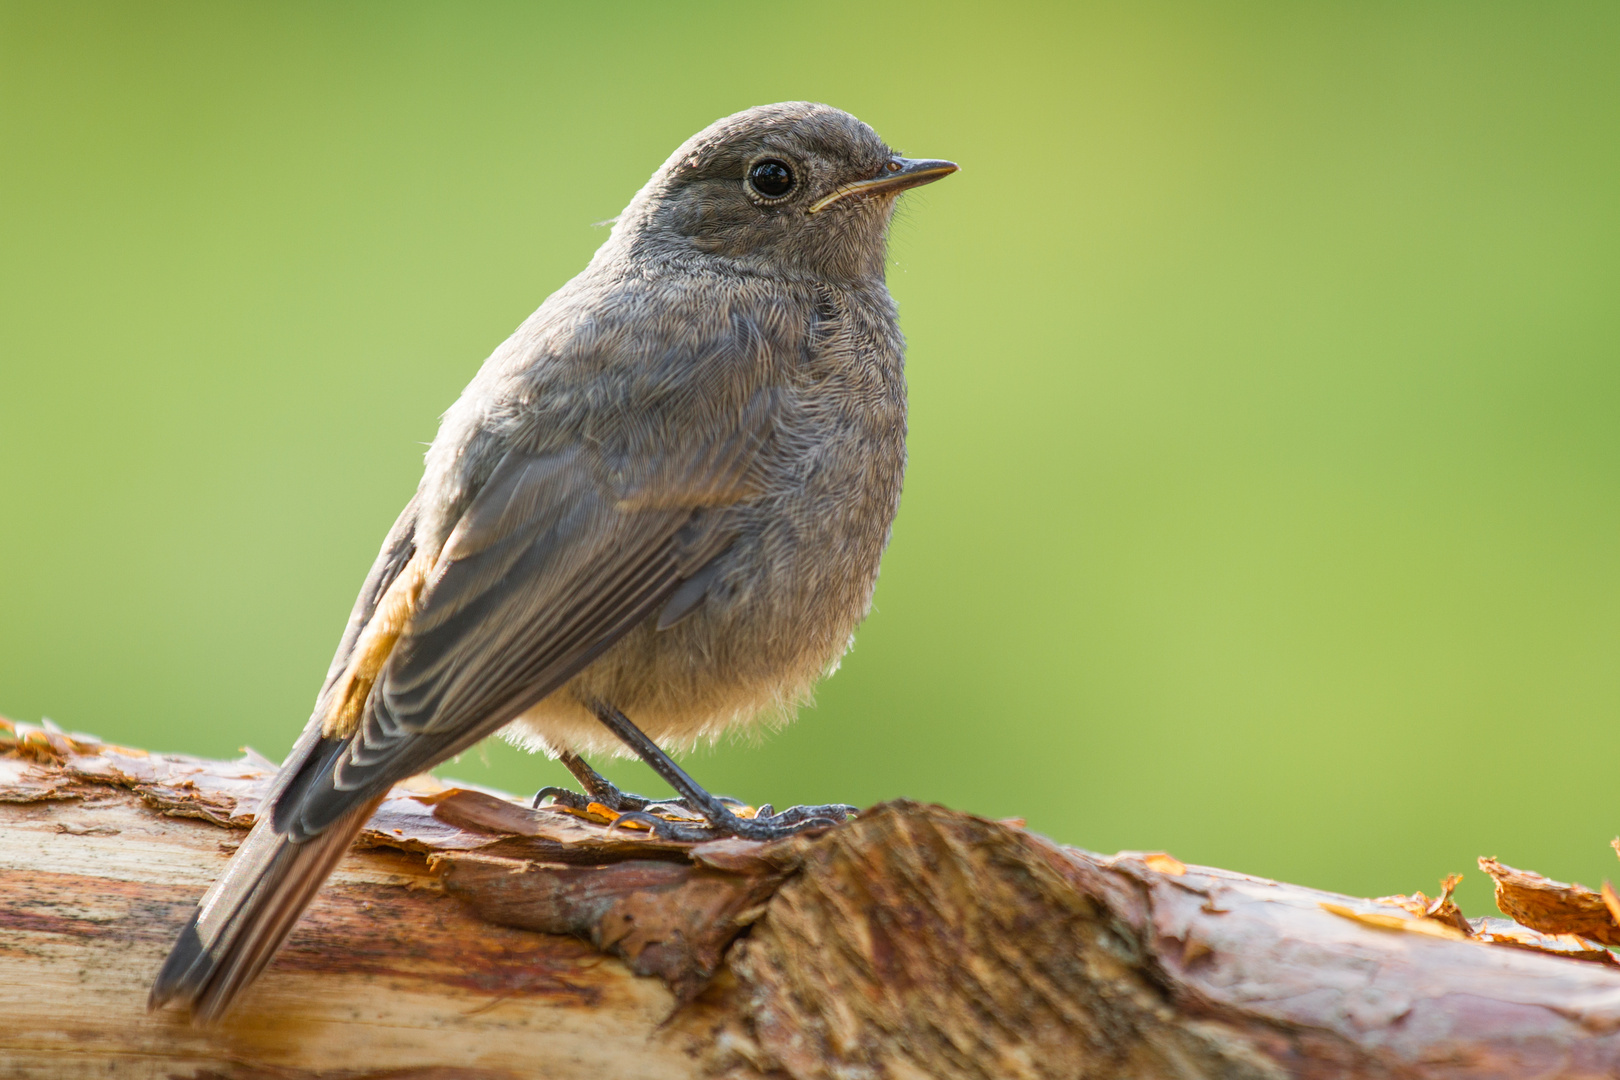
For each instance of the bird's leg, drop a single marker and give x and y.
(713, 809)
(599, 789)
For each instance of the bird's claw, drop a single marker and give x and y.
(768, 825)
(790, 822)
(663, 828)
(560, 796)
(618, 801)
(834, 812)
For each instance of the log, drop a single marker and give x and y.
(469, 936)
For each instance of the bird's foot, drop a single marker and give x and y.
(740, 821)
(694, 817)
(620, 802)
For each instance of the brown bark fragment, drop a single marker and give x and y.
(1553, 907)
(661, 918)
(1441, 909)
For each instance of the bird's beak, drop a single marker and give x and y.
(898, 175)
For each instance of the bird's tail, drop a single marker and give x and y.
(244, 918)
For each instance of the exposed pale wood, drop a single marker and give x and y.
(466, 938)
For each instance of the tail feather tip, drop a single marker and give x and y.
(177, 977)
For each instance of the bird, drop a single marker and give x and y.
(655, 515)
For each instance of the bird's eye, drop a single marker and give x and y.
(771, 178)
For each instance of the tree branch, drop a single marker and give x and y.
(464, 937)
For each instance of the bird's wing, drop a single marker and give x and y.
(550, 565)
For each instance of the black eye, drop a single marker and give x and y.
(771, 178)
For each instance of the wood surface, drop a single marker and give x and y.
(468, 936)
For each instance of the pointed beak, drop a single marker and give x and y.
(898, 175)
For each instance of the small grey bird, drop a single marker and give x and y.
(655, 514)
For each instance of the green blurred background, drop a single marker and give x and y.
(1264, 358)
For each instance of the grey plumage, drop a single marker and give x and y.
(666, 493)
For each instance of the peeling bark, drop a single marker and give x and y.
(469, 936)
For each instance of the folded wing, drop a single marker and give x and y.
(552, 563)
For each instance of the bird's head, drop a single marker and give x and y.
(796, 188)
